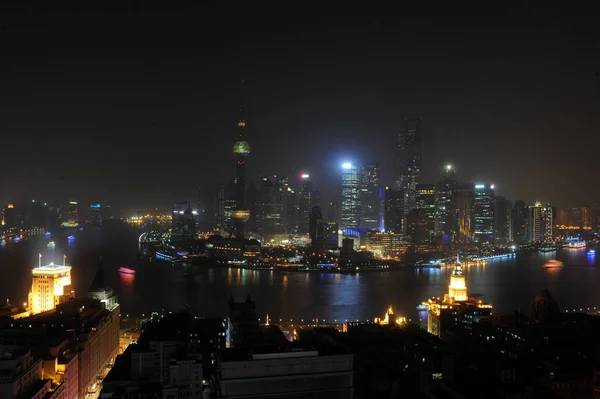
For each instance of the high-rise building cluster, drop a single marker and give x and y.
(410, 212)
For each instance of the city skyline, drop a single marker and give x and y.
(317, 109)
(235, 200)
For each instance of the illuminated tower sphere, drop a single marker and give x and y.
(241, 149)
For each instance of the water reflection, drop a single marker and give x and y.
(591, 258)
(127, 281)
(507, 283)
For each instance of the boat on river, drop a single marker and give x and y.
(126, 270)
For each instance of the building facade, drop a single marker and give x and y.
(502, 221)
(351, 182)
(408, 161)
(445, 203)
(519, 222)
(369, 197)
(483, 213)
(535, 222)
(51, 285)
(464, 196)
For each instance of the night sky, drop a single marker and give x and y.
(138, 106)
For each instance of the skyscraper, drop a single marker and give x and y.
(369, 196)
(219, 215)
(519, 222)
(463, 198)
(595, 220)
(393, 215)
(315, 227)
(548, 222)
(269, 207)
(203, 219)
(306, 202)
(483, 213)
(425, 204)
(182, 221)
(408, 161)
(241, 149)
(351, 180)
(535, 226)
(586, 218)
(288, 200)
(575, 218)
(334, 211)
(502, 212)
(446, 208)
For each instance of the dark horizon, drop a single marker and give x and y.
(138, 107)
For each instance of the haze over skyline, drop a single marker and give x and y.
(137, 107)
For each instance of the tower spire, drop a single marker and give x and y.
(241, 122)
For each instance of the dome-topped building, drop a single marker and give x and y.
(458, 285)
(456, 311)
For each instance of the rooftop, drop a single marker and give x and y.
(51, 268)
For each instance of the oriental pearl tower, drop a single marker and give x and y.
(241, 149)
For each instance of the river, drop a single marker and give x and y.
(509, 284)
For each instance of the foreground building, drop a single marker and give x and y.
(72, 345)
(173, 358)
(51, 285)
(260, 362)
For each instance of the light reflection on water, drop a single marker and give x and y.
(508, 284)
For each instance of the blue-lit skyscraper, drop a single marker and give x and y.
(483, 211)
(351, 182)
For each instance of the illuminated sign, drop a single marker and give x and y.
(479, 186)
(305, 176)
(95, 206)
(10, 206)
(73, 203)
(346, 165)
